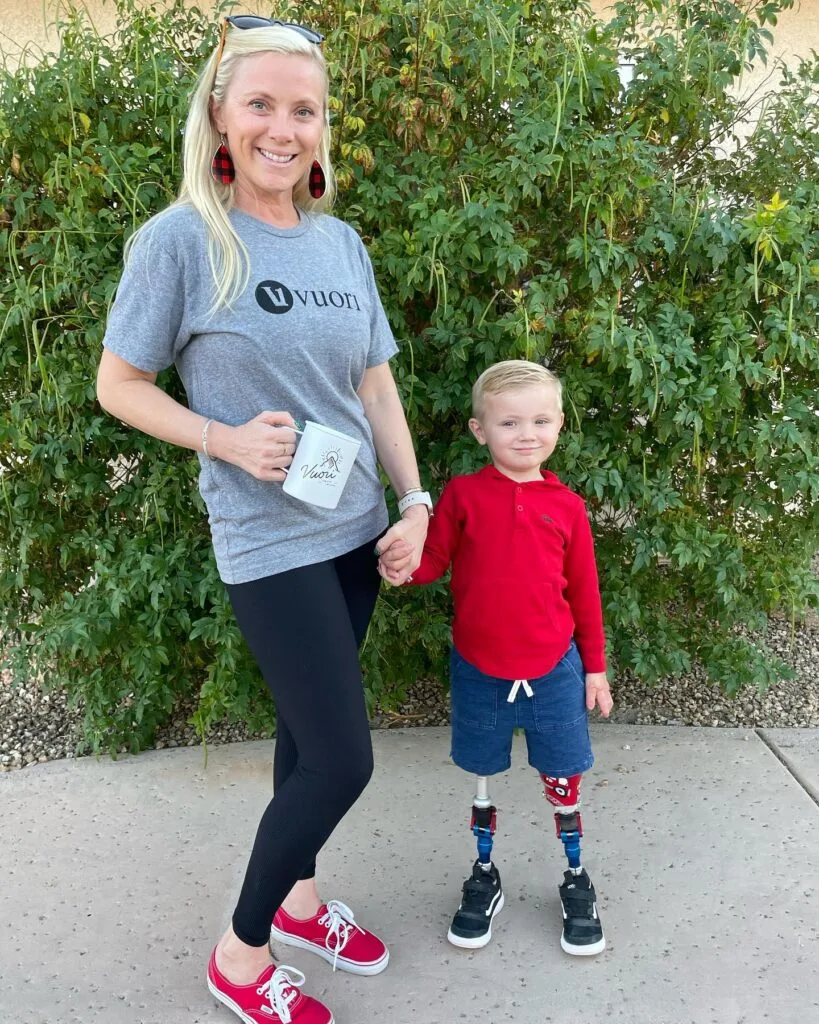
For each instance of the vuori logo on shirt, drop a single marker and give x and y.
(275, 297)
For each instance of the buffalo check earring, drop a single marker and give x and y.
(317, 183)
(222, 167)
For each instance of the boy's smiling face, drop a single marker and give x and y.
(520, 428)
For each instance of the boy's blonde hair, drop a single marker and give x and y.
(511, 375)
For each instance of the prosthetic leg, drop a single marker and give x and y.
(582, 931)
(484, 817)
(482, 896)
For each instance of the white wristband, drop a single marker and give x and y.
(414, 498)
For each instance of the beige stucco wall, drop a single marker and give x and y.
(26, 22)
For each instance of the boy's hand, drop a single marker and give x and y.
(407, 536)
(392, 560)
(598, 692)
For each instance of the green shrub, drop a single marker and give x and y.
(517, 202)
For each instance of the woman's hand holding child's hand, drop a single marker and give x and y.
(598, 692)
(400, 549)
(393, 560)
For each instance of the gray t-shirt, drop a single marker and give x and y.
(298, 340)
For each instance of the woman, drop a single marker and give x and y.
(269, 310)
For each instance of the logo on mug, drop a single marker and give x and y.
(327, 469)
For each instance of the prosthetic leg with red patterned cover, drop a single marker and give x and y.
(582, 930)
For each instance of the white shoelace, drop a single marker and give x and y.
(281, 990)
(527, 689)
(340, 924)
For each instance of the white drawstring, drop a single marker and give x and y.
(280, 989)
(340, 924)
(527, 689)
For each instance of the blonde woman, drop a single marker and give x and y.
(268, 308)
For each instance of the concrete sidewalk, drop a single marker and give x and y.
(117, 878)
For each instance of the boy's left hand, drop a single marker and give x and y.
(598, 692)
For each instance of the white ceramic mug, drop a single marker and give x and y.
(321, 465)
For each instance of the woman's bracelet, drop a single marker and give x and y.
(205, 451)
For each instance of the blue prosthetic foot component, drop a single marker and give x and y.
(483, 828)
(569, 831)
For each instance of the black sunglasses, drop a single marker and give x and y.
(256, 21)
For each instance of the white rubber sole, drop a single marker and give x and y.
(482, 940)
(228, 1002)
(590, 950)
(342, 964)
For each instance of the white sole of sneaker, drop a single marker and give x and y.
(482, 940)
(590, 950)
(350, 966)
(228, 1002)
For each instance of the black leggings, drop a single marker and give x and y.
(304, 628)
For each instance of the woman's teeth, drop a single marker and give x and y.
(277, 158)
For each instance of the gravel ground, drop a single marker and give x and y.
(36, 726)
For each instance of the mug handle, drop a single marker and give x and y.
(295, 431)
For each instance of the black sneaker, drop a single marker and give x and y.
(471, 926)
(582, 931)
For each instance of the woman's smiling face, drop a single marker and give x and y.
(273, 118)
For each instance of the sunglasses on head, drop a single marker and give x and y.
(256, 21)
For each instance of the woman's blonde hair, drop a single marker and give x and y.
(227, 253)
(511, 375)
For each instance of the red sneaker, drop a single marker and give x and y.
(334, 935)
(273, 998)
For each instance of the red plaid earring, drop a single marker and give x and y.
(222, 167)
(318, 183)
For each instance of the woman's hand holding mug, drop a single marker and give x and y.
(263, 446)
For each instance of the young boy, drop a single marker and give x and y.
(528, 644)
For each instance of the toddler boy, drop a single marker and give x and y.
(528, 644)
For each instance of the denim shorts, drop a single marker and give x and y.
(554, 718)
